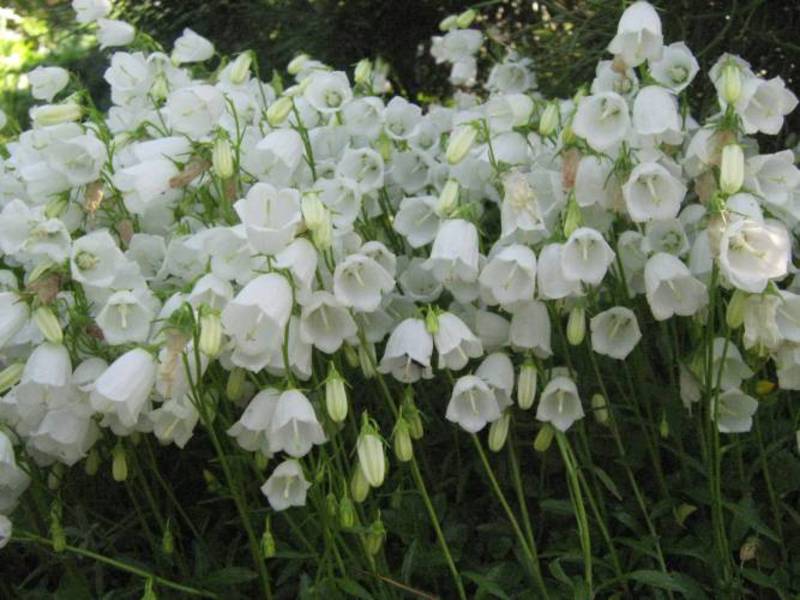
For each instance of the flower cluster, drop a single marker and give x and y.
(214, 227)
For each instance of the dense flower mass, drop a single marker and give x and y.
(214, 227)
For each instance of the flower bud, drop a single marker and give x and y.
(764, 387)
(448, 23)
(347, 513)
(210, 333)
(373, 539)
(384, 146)
(731, 170)
(297, 63)
(544, 438)
(576, 326)
(359, 486)
(663, 426)
(56, 207)
(314, 212)
(119, 464)
(331, 505)
(370, 454)
(600, 408)
(10, 376)
(92, 464)
(149, 590)
(460, 143)
(573, 219)
(168, 541)
(731, 87)
(734, 313)
(279, 110)
(432, 322)
(548, 122)
(526, 385)
(749, 549)
(322, 236)
(57, 536)
(48, 324)
(55, 476)
(466, 18)
(261, 460)
(448, 199)
(54, 114)
(160, 88)
(267, 541)
(498, 432)
(222, 158)
(411, 415)
(366, 360)
(403, 447)
(350, 355)
(235, 385)
(363, 71)
(241, 67)
(335, 396)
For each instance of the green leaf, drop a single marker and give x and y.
(608, 482)
(486, 585)
(746, 511)
(356, 590)
(657, 579)
(228, 576)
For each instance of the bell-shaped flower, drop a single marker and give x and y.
(761, 330)
(787, 362)
(418, 283)
(773, 177)
(325, 323)
(530, 328)
(252, 429)
(602, 120)
(95, 259)
(191, 47)
(733, 411)
(14, 314)
(509, 276)
(472, 404)
(401, 118)
(550, 279)
(676, 68)
(455, 252)
(112, 33)
(328, 91)
(752, 253)
(46, 378)
(639, 35)
(146, 184)
(667, 236)
(123, 389)
(655, 113)
(194, 110)
(671, 288)
(125, 318)
(595, 182)
(79, 159)
(6, 531)
(787, 316)
(615, 332)
(287, 486)
(360, 282)
(13, 480)
(521, 212)
(87, 11)
(282, 148)
(497, 371)
(299, 355)
(652, 193)
(408, 352)
(364, 166)
(294, 427)
(174, 421)
(764, 104)
(455, 343)
(560, 405)
(46, 82)
(585, 256)
(417, 220)
(727, 365)
(271, 217)
(257, 316)
(65, 434)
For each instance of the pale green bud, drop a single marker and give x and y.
(347, 513)
(92, 464)
(526, 385)
(384, 146)
(432, 322)
(350, 355)
(314, 212)
(363, 71)
(403, 447)
(48, 324)
(279, 110)
(267, 541)
(119, 463)
(544, 438)
(57, 535)
(371, 456)
(366, 360)
(359, 486)
(222, 158)
(663, 426)
(373, 539)
(149, 590)
(498, 432)
(460, 143)
(448, 198)
(297, 63)
(241, 67)
(235, 385)
(168, 541)
(336, 397)
(210, 334)
(10, 376)
(734, 313)
(549, 120)
(448, 23)
(573, 219)
(576, 326)
(56, 207)
(731, 88)
(466, 18)
(54, 114)
(323, 234)
(731, 170)
(600, 408)
(160, 87)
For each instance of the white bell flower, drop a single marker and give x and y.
(676, 68)
(472, 404)
(408, 352)
(65, 434)
(194, 110)
(671, 288)
(455, 343)
(652, 193)
(764, 104)
(124, 387)
(655, 113)
(14, 314)
(455, 251)
(751, 253)
(174, 421)
(326, 323)
(294, 427)
(328, 91)
(551, 281)
(417, 220)
(761, 330)
(530, 328)
(401, 119)
(639, 35)
(13, 480)
(87, 11)
(585, 256)
(287, 486)
(602, 119)
(360, 282)
(252, 429)
(497, 371)
(125, 318)
(418, 283)
(560, 404)
(271, 217)
(733, 411)
(615, 332)
(364, 166)
(95, 259)
(46, 82)
(510, 275)
(191, 47)
(112, 32)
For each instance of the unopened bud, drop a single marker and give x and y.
(235, 385)
(573, 219)
(335, 396)
(366, 360)
(432, 322)
(279, 110)
(544, 438)
(54, 114)
(548, 122)
(663, 426)
(297, 63)
(576, 326)
(384, 146)
(347, 513)
(48, 324)
(57, 535)
(56, 207)
(498, 432)
(267, 541)
(526, 385)
(210, 333)
(731, 88)
(10, 376)
(373, 539)
(764, 387)
(411, 415)
(466, 18)
(314, 212)
(119, 463)
(403, 447)
(734, 313)
(363, 71)
(600, 408)
(731, 170)
(370, 452)
(222, 158)
(241, 67)
(448, 198)
(448, 23)
(168, 541)
(461, 142)
(350, 355)
(359, 486)
(749, 549)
